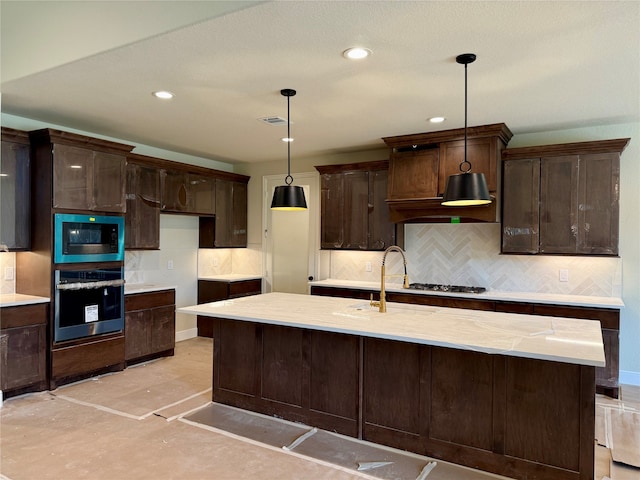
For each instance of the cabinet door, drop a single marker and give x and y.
(72, 177)
(23, 354)
(481, 153)
(15, 196)
(356, 210)
(108, 182)
(224, 213)
(381, 229)
(231, 214)
(332, 211)
(175, 191)
(137, 333)
(142, 220)
(521, 206)
(413, 174)
(558, 204)
(598, 204)
(239, 231)
(202, 190)
(164, 329)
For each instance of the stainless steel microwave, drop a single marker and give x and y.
(88, 238)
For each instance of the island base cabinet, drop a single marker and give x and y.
(300, 375)
(518, 417)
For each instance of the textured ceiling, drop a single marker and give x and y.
(540, 66)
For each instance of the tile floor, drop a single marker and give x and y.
(148, 422)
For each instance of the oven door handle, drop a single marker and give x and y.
(89, 285)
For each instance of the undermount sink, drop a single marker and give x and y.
(365, 310)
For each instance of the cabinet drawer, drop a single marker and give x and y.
(247, 287)
(141, 301)
(24, 315)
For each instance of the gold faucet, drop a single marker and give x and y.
(382, 304)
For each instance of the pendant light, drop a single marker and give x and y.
(288, 197)
(466, 188)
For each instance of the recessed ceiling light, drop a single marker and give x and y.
(356, 53)
(164, 94)
(437, 119)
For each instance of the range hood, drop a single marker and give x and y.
(420, 164)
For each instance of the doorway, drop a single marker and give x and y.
(290, 239)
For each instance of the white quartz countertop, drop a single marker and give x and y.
(18, 299)
(547, 338)
(230, 277)
(529, 297)
(130, 288)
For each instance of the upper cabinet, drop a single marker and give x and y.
(142, 220)
(562, 199)
(187, 192)
(354, 213)
(88, 174)
(15, 190)
(420, 165)
(231, 214)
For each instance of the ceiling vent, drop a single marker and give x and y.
(274, 120)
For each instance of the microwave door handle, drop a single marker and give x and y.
(89, 285)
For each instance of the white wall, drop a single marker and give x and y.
(178, 245)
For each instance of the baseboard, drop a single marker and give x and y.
(629, 378)
(186, 334)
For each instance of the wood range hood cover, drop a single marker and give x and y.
(420, 165)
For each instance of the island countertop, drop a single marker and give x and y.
(528, 336)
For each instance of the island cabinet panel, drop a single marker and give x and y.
(490, 412)
(297, 374)
(393, 380)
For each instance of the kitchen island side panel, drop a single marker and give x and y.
(523, 418)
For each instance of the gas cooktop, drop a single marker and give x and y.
(434, 287)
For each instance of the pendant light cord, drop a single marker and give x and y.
(465, 59)
(288, 92)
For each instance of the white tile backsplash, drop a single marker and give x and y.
(469, 254)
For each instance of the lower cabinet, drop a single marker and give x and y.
(607, 377)
(216, 290)
(150, 326)
(23, 349)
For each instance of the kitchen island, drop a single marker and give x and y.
(506, 393)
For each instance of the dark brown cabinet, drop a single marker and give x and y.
(562, 199)
(420, 165)
(15, 190)
(354, 213)
(149, 325)
(23, 349)
(87, 174)
(231, 214)
(142, 220)
(188, 192)
(85, 179)
(302, 375)
(216, 290)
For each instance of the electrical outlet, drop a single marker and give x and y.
(8, 273)
(170, 265)
(215, 261)
(563, 275)
(367, 267)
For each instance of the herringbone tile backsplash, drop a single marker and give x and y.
(469, 254)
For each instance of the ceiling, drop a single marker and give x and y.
(92, 66)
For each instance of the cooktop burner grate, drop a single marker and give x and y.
(434, 287)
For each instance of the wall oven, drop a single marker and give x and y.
(88, 302)
(88, 238)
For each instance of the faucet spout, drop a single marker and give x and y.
(382, 304)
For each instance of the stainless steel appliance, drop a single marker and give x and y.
(434, 287)
(88, 238)
(88, 302)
